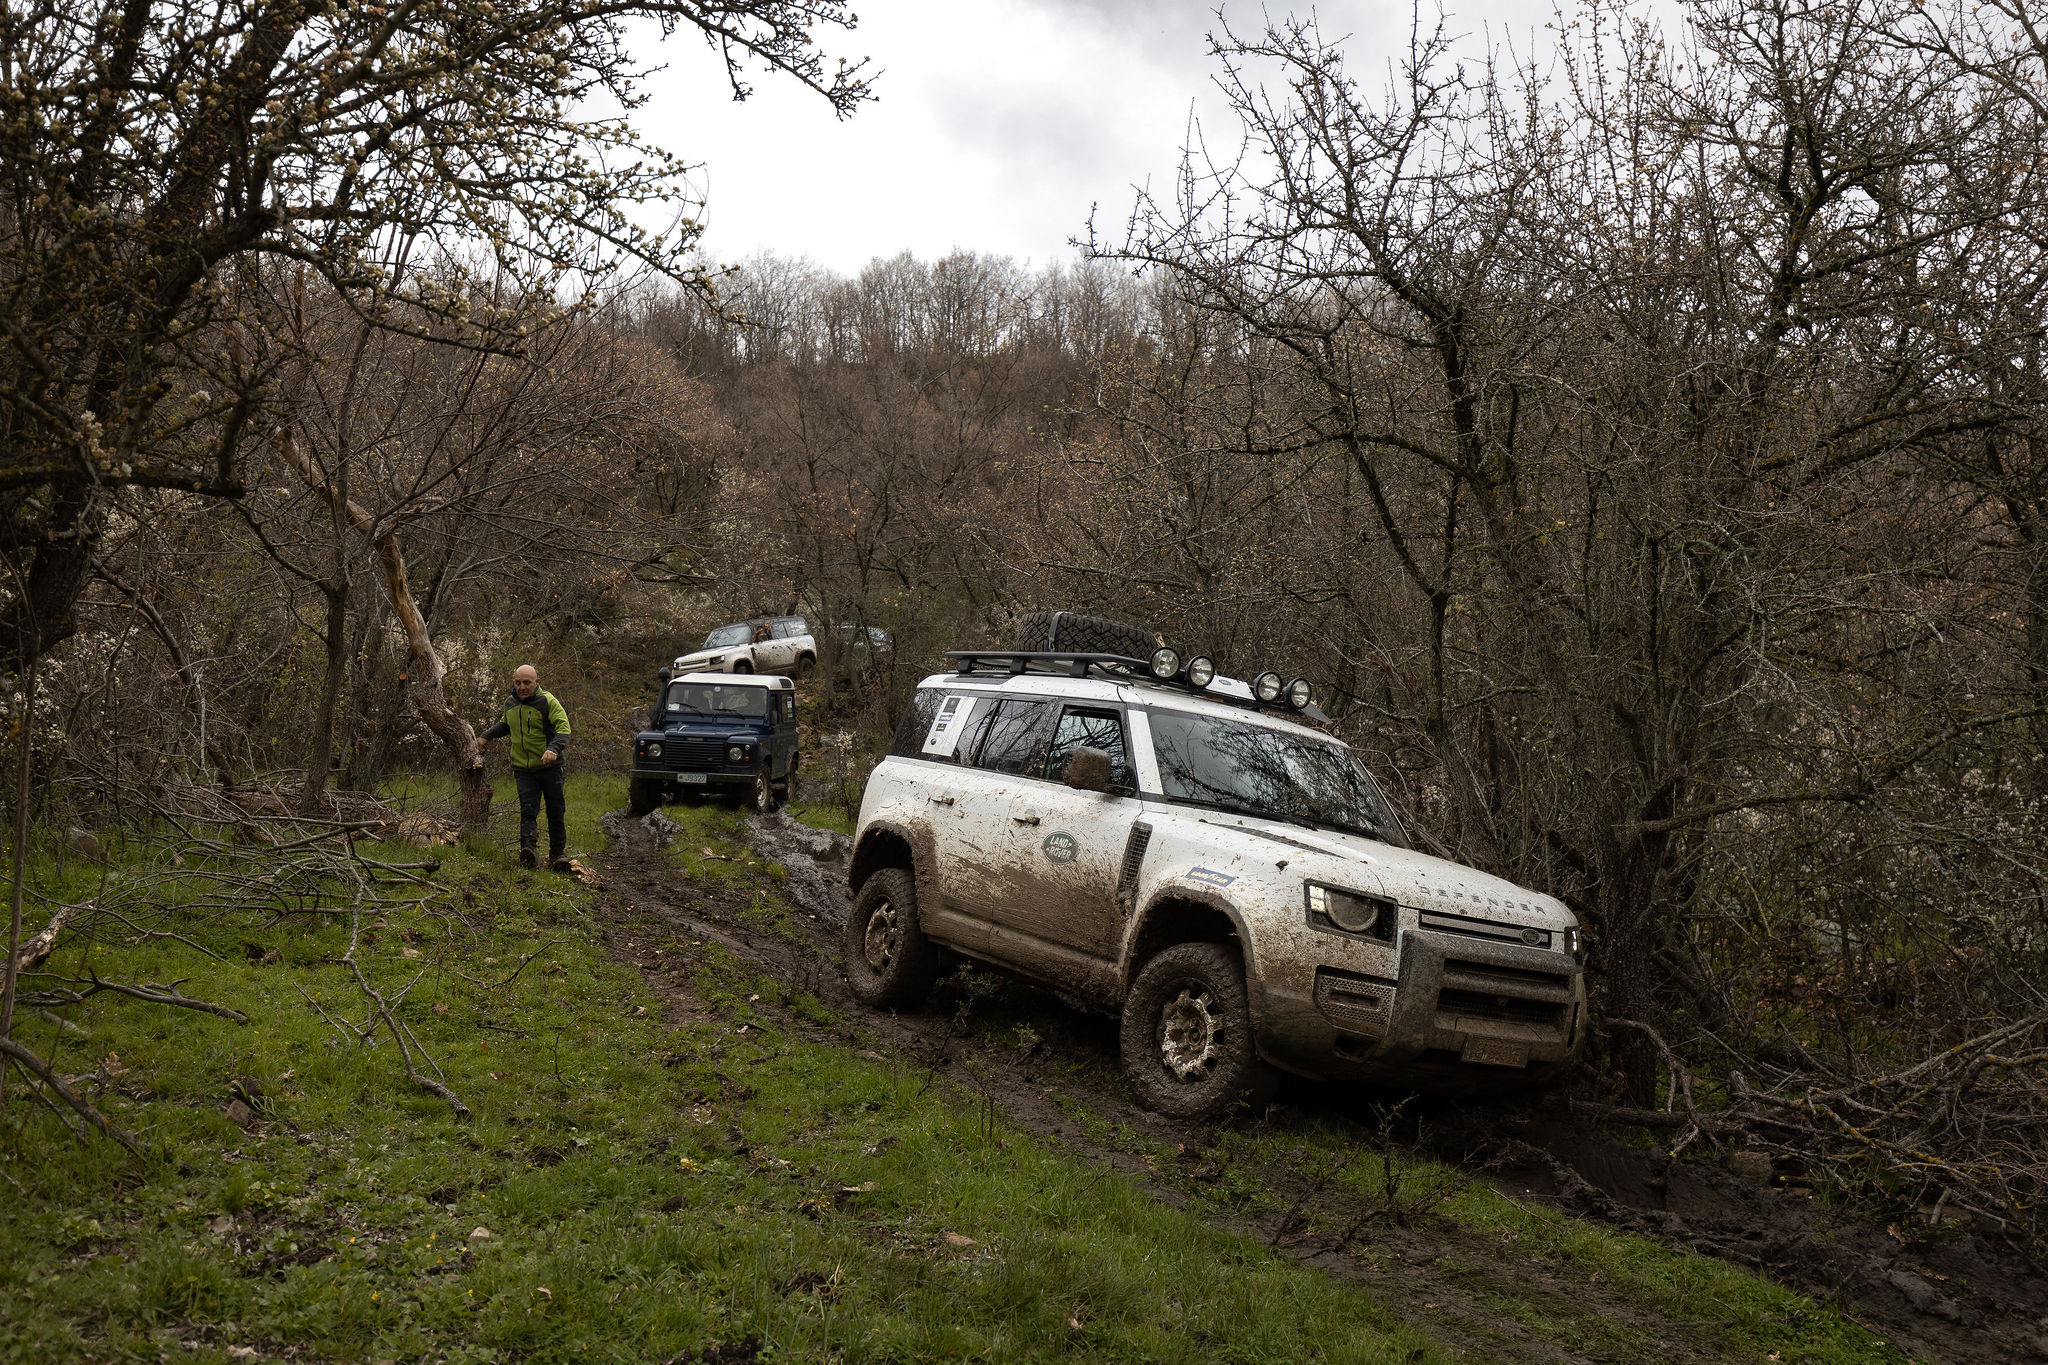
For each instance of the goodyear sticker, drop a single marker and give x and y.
(1208, 878)
(1061, 847)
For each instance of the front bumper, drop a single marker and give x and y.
(1461, 1013)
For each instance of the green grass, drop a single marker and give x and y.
(649, 1187)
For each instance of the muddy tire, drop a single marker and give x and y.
(742, 666)
(1187, 1034)
(804, 664)
(889, 962)
(1071, 632)
(761, 797)
(643, 796)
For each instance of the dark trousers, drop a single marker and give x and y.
(536, 785)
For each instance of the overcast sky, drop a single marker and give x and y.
(998, 123)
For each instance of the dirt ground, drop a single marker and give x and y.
(1946, 1295)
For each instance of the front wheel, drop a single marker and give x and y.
(763, 799)
(1186, 1037)
(742, 666)
(643, 796)
(889, 961)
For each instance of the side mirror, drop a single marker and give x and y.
(1087, 770)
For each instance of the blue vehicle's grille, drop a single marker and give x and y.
(692, 753)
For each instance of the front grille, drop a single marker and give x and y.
(1350, 1001)
(692, 753)
(1446, 923)
(1478, 1005)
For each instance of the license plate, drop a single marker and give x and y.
(699, 778)
(1495, 1052)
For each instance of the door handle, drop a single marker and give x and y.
(940, 800)
(1025, 819)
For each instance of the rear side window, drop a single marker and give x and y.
(785, 706)
(1088, 728)
(917, 723)
(1014, 740)
(789, 627)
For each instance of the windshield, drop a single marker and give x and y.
(1261, 771)
(686, 699)
(726, 636)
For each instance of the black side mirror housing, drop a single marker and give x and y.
(1087, 770)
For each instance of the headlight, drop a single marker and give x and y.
(1351, 912)
(1298, 694)
(736, 754)
(654, 751)
(1201, 670)
(1165, 663)
(1266, 687)
(1571, 941)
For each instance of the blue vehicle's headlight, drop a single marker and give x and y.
(736, 754)
(654, 751)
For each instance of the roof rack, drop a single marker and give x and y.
(1119, 667)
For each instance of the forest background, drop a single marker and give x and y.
(1645, 453)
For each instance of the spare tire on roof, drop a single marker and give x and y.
(1072, 633)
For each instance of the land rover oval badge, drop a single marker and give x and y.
(1061, 846)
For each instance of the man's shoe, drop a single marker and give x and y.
(526, 858)
(559, 863)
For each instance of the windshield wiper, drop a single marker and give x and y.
(1229, 809)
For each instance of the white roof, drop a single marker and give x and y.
(1155, 696)
(772, 681)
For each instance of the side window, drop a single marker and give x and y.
(786, 628)
(917, 723)
(1014, 741)
(785, 707)
(1083, 728)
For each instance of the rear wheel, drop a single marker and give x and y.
(1187, 1034)
(889, 961)
(804, 664)
(643, 796)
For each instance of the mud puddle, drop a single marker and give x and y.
(1951, 1297)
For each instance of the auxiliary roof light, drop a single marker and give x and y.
(1201, 670)
(1298, 694)
(1266, 687)
(1165, 663)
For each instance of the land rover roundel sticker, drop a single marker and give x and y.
(1061, 846)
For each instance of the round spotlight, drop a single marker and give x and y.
(1298, 695)
(1165, 663)
(1266, 687)
(654, 751)
(1201, 670)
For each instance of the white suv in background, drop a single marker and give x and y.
(765, 644)
(1148, 838)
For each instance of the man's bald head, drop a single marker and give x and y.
(524, 679)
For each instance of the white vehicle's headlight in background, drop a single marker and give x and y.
(1351, 912)
(1572, 941)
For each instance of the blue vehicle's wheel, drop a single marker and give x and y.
(643, 796)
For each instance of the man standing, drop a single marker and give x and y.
(539, 728)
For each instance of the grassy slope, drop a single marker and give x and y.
(652, 1185)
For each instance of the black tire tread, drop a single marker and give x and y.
(643, 796)
(1243, 1079)
(1075, 633)
(916, 969)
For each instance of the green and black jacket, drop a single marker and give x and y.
(536, 725)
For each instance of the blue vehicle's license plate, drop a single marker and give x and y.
(692, 777)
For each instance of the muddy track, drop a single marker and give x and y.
(1955, 1300)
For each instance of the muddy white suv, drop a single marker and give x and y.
(1148, 838)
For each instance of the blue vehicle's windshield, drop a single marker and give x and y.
(687, 700)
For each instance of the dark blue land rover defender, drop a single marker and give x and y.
(729, 734)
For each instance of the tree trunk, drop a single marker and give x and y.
(425, 670)
(321, 755)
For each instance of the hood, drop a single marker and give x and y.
(1420, 880)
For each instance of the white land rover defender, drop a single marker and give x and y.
(1144, 836)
